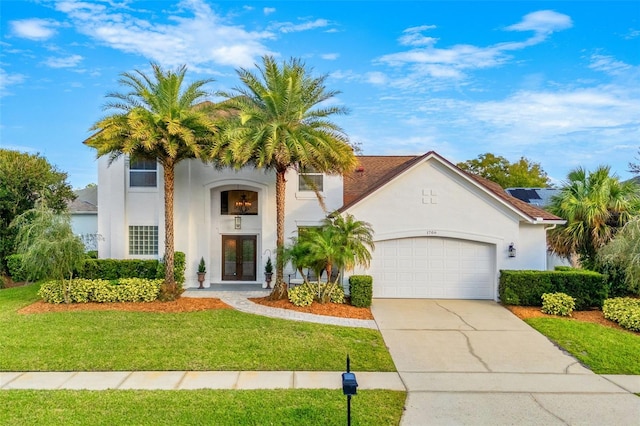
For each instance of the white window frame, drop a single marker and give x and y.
(133, 171)
(143, 240)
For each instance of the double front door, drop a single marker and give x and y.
(238, 257)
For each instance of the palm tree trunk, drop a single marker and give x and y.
(170, 290)
(280, 288)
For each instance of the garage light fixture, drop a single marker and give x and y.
(512, 250)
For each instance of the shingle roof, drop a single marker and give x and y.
(86, 200)
(374, 171)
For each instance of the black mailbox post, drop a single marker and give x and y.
(349, 388)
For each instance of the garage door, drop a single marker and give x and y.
(431, 267)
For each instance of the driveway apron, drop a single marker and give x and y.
(474, 362)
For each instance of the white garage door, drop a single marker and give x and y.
(431, 267)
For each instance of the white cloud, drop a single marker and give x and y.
(7, 80)
(67, 62)
(542, 22)
(268, 10)
(290, 27)
(195, 36)
(34, 28)
(376, 77)
(608, 64)
(453, 63)
(330, 56)
(413, 37)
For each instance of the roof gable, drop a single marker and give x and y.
(373, 172)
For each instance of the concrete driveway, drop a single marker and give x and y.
(474, 362)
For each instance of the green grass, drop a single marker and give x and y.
(602, 349)
(200, 407)
(208, 340)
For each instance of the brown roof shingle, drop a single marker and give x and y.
(374, 171)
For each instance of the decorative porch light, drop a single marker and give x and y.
(237, 222)
(512, 250)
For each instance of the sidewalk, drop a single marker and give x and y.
(177, 380)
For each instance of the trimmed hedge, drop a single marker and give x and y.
(526, 288)
(558, 304)
(113, 269)
(361, 290)
(84, 290)
(623, 310)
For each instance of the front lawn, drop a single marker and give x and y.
(199, 407)
(602, 349)
(206, 340)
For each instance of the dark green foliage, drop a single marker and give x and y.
(526, 288)
(361, 289)
(615, 277)
(25, 179)
(16, 271)
(112, 269)
(92, 254)
(179, 265)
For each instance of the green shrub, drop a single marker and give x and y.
(16, 271)
(615, 277)
(623, 310)
(92, 254)
(558, 304)
(564, 268)
(527, 287)
(179, 267)
(336, 294)
(361, 290)
(302, 295)
(101, 291)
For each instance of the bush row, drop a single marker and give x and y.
(81, 290)
(109, 269)
(526, 288)
(623, 310)
(361, 290)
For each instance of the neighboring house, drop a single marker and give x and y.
(84, 216)
(439, 232)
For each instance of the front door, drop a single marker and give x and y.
(238, 257)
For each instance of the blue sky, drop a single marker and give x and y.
(555, 81)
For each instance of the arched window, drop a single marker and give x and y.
(238, 202)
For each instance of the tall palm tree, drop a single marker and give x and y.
(282, 124)
(595, 205)
(157, 118)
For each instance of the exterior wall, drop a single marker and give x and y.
(432, 200)
(85, 225)
(198, 224)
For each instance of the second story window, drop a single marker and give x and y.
(143, 173)
(310, 180)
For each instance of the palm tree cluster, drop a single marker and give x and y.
(596, 205)
(342, 242)
(274, 121)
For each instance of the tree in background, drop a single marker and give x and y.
(595, 205)
(48, 246)
(282, 123)
(25, 179)
(159, 119)
(624, 251)
(521, 174)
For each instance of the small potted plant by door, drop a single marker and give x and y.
(268, 272)
(202, 270)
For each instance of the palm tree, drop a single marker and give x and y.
(157, 119)
(280, 125)
(595, 206)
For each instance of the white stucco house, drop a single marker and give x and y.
(439, 231)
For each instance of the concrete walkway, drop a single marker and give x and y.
(470, 362)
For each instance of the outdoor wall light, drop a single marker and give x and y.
(512, 250)
(237, 221)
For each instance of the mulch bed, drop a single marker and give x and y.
(328, 309)
(594, 316)
(183, 304)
